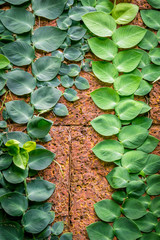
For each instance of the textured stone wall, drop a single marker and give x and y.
(83, 180)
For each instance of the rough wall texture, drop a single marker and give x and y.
(83, 180)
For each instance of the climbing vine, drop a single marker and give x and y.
(135, 208)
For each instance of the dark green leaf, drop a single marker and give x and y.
(135, 189)
(149, 145)
(143, 122)
(60, 110)
(149, 41)
(81, 83)
(67, 236)
(147, 223)
(150, 236)
(118, 177)
(76, 33)
(119, 196)
(57, 228)
(70, 95)
(155, 206)
(154, 3)
(151, 18)
(152, 165)
(100, 230)
(11, 230)
(153, 185)
(15, 175)
(5, 161)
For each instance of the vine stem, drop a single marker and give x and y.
(5, 96)
(59, 167)
(115, 3)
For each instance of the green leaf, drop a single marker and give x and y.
(34, 221)
(105, 98)
(48, 9)
(134, 161)
(124, 13)
(118, 177)
(144, 88)
(39, 190)
(100, 23)
(45, 98)
(142, 122)
(11, 230)
(128, 36)
(151, 72)
(154, 3)
(109, 150)
(133, 208)
(152, 165)
(132, 136)
(18, 20)
(46, 68)
(105, 49)
(64, 22)
(100, 230)
(20, 82)
(70, 95)
(151, 18)
(145, 60)
(29, 146)
(154, 56)
(67, 236)
(104, 6)
(150, 236)
(119, 196)
(155, 206)
(147, 223)
(16, 2)
(128, 109)
(60, 110)
(5, 161)
(149, 41)
(72, 53)
(38, 127)
(57, 228)
(3, 124)
(153, 185)
(19, 111)
(127, 61)
(40, 159)
(127, 84)
(81, 83)
(48, 38)
(135, 189)
(13, 147)
(107, 210)
(106, 124)
(146, 200)
(76, 33)
(19, 136)
(91, 3)
(76, 12)
(14, 204)
(15, 175)
(4, 61)
(104, 71)
(149, 145)
(126, 229)
(21, 159)
(19, 53)
(73, 70)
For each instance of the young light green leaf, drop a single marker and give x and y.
(4, 61)
(100, 23)
(105, 49)
(106, 124)
(128, 36)
(19, 111)
(151, 18)
(105, 98)
(127, 61)
(91, 3)
(21, 159)
(107, 210)
(104, 6)
(124, 13)
(109, 150)
(104, 71)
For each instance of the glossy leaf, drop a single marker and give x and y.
(105, 98)
(153, 183)
(149, 41)
(151, 18)
(105, 49)
(107, 210)
(152, 165)
(46, 68)
(45, 97)
(118, 177)
(127, 61)
(149, 144)
(15, 175)
(60, 110)
(21, 159)
(135, 188)
(4, 61)
(5, 161)
(104, 71)
(144, 88)
(106, 124)
(124, 13)
(128, 36)
(154, 56)
(151, 72)
(70, 95)
(19, 111)
(100, 230)
(100, 23)
(11, 230)
(109, 150)
(48, 38)
(147, 223)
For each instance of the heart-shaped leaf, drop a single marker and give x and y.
(104, 71)
(124, 13)
(106, 124)
(105, 49)
(60, 110)
(128, 36)
(109, 150)
(57, 228)
(70, 95)
(105, 98)
(144, 88)
(81, 83)
(100, 23)
(16, 2)
(107, 210)
(15, 174)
